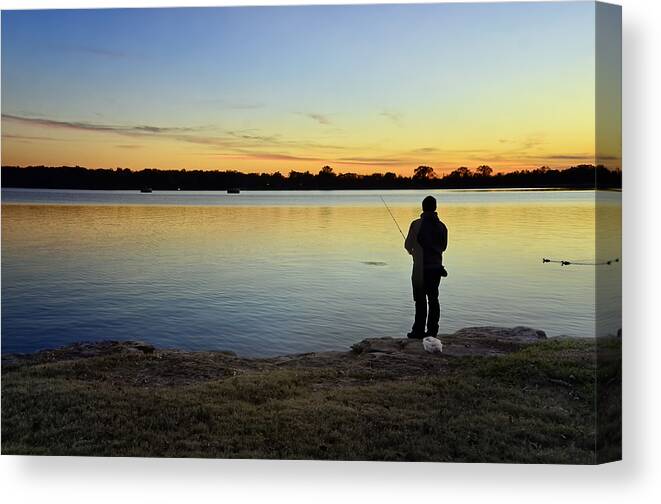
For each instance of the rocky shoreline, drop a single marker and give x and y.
(177, 366)
(494, 394)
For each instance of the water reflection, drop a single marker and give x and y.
(289, 278)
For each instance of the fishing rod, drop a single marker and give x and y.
(563, 262)
(393, 217)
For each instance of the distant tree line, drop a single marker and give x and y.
(67, 177)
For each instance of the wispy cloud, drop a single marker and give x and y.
(227, 139)
(254, 144)
(268, 156)
(372, 161)
(522, 159)
(440, 160)
(28, 137)
(532, 142)
(525, 143)
(426, 150)
(320, 118)
(441, 151)
(253, 135)
(87, 126)
(276, 156)
(393, 116)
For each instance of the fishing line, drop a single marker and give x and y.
(393, 217)
(564, 262)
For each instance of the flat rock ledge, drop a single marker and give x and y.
(476, 341)
(519, 334)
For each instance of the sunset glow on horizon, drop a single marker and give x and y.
(364, 89)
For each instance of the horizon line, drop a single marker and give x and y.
(440, 174)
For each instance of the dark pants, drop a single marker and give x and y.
(428, 292)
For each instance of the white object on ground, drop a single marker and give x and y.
(432, 345)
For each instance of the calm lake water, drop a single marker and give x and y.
(265, 273)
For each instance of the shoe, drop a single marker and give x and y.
(431, 334)
(414, 335)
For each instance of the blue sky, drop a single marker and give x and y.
(243, 87)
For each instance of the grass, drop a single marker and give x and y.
(536, 405)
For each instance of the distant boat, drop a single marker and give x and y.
(233, 190)
(146, 190)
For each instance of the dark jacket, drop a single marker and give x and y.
(426, 241)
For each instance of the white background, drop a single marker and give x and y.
(67, 479)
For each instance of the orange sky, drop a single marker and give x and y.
(508, 85)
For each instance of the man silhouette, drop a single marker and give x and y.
(426, 241)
